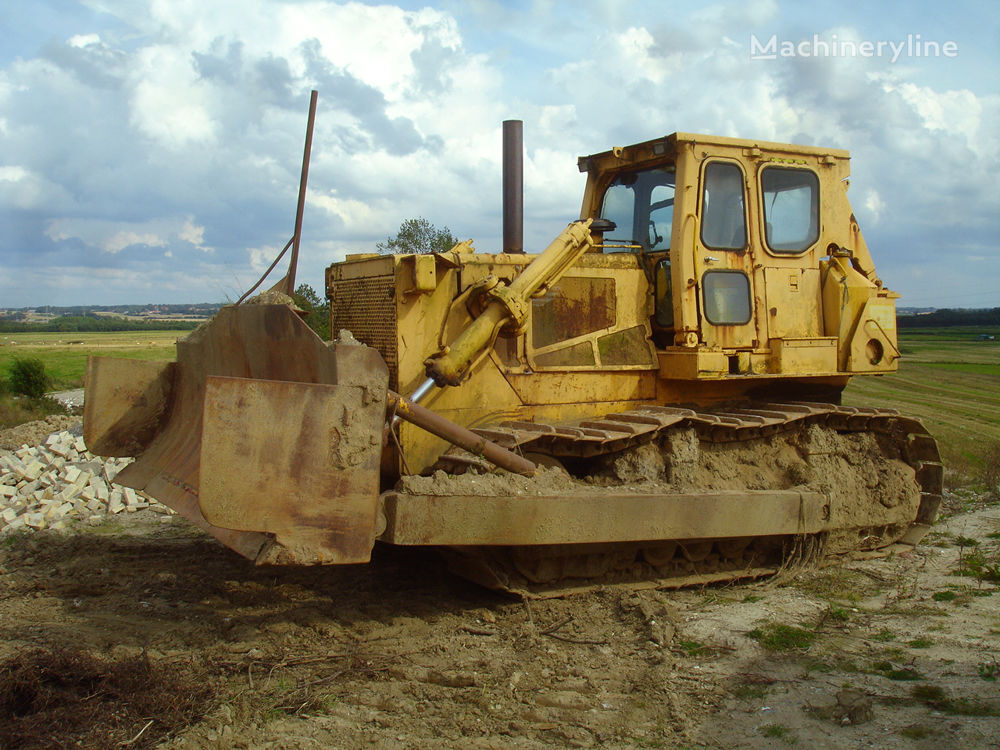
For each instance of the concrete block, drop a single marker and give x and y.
(8, 514)
(71, 474)
(79, 444)
(34, 520)
(115, 504)
(7, 491)
(32, 470)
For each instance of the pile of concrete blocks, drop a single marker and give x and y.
(55, 485)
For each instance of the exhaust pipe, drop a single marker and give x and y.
(513, 186)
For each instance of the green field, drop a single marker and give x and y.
(65, 354)
(951, 380)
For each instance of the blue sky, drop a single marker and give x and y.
(149, 151)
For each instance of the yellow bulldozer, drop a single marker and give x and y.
(653, 397)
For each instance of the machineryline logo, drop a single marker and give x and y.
(912, 46)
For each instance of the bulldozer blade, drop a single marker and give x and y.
(259, 492)
(125, 404)
(309, 456)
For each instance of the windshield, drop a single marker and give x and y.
(641, 204)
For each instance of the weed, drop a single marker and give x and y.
(981, 565)
(838, 614)
(920, 643)
(937, 698)
(695, 648)
(884, 636)
(966, 541)
(751, 598)
(839, 584)
(894, 672)
(750, 692)
(944, 596)
(779, 732)
(775, 636)
(925, 692)
(915, 610)
(916, 732)
(993, 535)
(969, 707)
(15, 410)
(989, 672)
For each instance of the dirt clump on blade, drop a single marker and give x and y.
(63, 697)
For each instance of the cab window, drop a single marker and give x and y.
(641, 204)
(791, 209)
(727, 297)
(723, 222)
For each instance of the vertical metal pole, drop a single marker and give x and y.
(513, 186)
(293, 263)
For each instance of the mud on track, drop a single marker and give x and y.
(402, 654)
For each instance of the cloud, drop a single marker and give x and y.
(165, 137)
(113, 237)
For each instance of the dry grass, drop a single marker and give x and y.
(63, 698)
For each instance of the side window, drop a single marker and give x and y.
(641, 204)
(723, 220)
(619, 207)
(791, 208)
(727, 297)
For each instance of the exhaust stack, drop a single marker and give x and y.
(513, 186)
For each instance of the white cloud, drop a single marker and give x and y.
(874, 204)
(177, 124)
(169, 103)
(83, 40)
(113, 237)
(194, 235)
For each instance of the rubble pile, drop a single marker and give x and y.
(51, 486)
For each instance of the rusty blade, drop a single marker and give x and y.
(296, 460)
(253, 341)
(125, 404)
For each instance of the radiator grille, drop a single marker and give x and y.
(367, 308)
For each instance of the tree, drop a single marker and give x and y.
(317, 311)
(418, 236)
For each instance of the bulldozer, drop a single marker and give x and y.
(653, 398)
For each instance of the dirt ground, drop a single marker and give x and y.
(145, 633)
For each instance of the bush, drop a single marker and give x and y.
(28, 378)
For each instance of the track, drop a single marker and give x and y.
(881, 471)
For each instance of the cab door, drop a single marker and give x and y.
(722, 258)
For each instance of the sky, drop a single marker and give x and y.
(150, 149)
